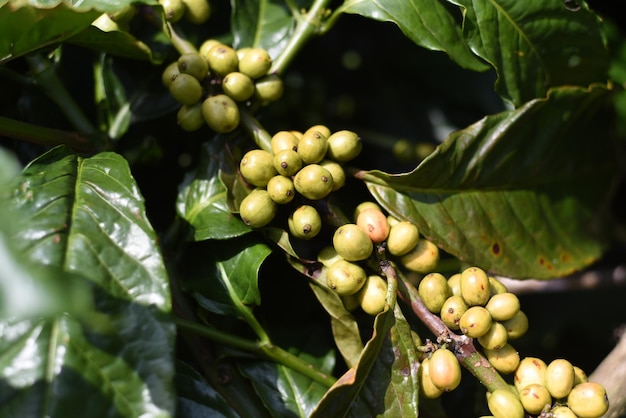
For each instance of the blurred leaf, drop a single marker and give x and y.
(261, 23)
(86, 216)
(344, 326)
(522, 193)
(285, 392)
(111, 99)
(535, 45)
(203, 198)
(26, 25)
(228, 282)
(428, 23)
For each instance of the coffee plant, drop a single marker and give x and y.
(309, 208)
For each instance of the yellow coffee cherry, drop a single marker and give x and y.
(579, 376)
(496, 286)
(365, 205)
(560, 378)
(345, 278)
(588, 400)
(452, 310)
(475, 322)
(445, 370)
(255, 63)
(336, 171)
(423, 258)
(284, 140)
(221, 113)
(305, 222)
(313, 182)
(257, 209)
(504, 404)
(495, 338)
(505, 360)
(374, 223)
(454, 282)
(312, 147)
(535, 398)
(257, 167)
(427, 387)
(475, 286)
(323, 129)
(352, 243)
(373, 295)
(530, 370)
(516, 326)
(197, 11)
(281, 189)
(434, 291)
(403, 237)
(562, 412)
(503, 306)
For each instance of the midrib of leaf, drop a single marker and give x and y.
(51, 365)
(288, 375)
(198, 208)
(257, 31)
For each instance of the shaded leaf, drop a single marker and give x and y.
(261, 23)
(285, 392)
(503, 194)
(535, 45)
(428, 23)
(343, 324)
(203, 198)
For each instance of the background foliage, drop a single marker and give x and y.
(106, 243)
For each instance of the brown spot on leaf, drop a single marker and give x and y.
(495, 249)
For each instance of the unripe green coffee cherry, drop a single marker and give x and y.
(305, 222)
(588, 400)
(352, 243)
(530, 370)
(504, 404)
(257, 209)
(373, 295)
(336, 171)
(170, 73)
(283, 140)
(403, 237)
(374, 223)
(423, 258)
(475, 322)
(323, 129)
(328, 255)
(427, 387)
(206, 46)
(516, 326)
(242, 51)
(189, 117)
(496, 286)
(579, 376)
(194, 64)
(505, 360)
(313, 182)
(535, 398)
(255, 63)
(560, 378)
(281, 189)
(257, 167)
(197, 11)
(312, 147)
(221, 113)
(503, 306)
(495, 338)
(434, 291)
(238, 86)
(445, 370)
(222, 59)
(393, 221)
(454, 282)
(186, 89)
(173, 9)
(452, 310)
(268, 88)
(344, 145)
(345, 278)
(363, 206)
(287, 162)
(475, 286)
(562, 412)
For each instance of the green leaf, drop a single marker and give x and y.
(203, 198)
(26, 26)
(428, 23)
(535, 45)
(87, 215)
(522, 193)
(284, 391)
(261, 23)
(227, 282)
(361, 391)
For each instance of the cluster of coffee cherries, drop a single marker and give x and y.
(480, 307)
(354, 243)
(211, 84)
(193, 11)
(305, 164)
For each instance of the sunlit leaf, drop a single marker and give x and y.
(503, 194)
(428, 23)
(535, 45)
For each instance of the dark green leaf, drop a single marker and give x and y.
(228, 282)
(261, 23)
(203, 198)
(535, 45)
(284, 391)
(504, 194)
(428, 23)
